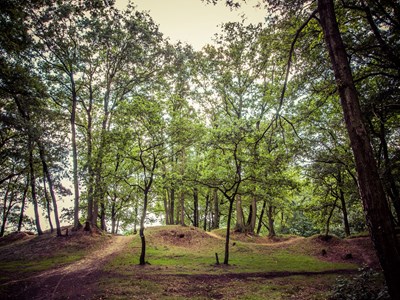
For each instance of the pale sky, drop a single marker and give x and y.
(193, 21)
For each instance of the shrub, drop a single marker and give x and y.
(367, 285)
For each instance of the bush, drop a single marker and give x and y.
(367, 285)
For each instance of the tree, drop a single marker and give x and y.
(371, 189)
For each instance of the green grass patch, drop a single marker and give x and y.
(40, 264)
(244, 257)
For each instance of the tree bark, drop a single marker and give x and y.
(371, 190)
(33, 187)
(166, 206)
(182, 209)
(51, 188)
(253, 216)
(228, 232)
(260, 219)
(206, 212)
(6, 208)
(215, 219)
(77, 224)
(142, 260)
(21, 214)
(239, 215)
(344, 212)
(103, 225)
(172, 206)
(271, 221)
(196, 207)
(46, 196)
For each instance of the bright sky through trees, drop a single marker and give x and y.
(194, 21)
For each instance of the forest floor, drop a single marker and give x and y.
(182, 265)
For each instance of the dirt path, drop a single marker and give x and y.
(72, 281)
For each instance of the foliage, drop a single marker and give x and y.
(367, 285)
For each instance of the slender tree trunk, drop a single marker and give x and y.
(252, 223)
(239, 215)
(344, 211)
(166, 208)
(33, 187)
(172, 207)
(136, 219)
(89, 162)
(46, 196)
(328, 221)
(228, 231)
(182, 209)
(50, 183)
(21, 214)
(372, 193)
(215, 220)
(142, 260)
(5, 210)
(103, 217)
(260, 220)
(77, 224)
(196, 207)
(113, 217)
(206, 212)
(271, 221)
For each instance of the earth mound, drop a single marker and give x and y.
(181, 236)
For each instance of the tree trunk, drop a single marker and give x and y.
(113, 217)
(343, 205)
(239, 215)
(5, 210)
(260, 219)
(142, 260)
(182, 209)
(166, 208)
(103, 225)
(89, 162)
(172, 207)
(371, 190)
(50, 183)
(344, 211)
(46, 196)
(33, 187)
(21, 214)
(77, 224)
(251, 222)
(328, 221)
(215, 219)
(271, 228)
(228, 231)
(136, 219)
(196, 207)
(206, 212)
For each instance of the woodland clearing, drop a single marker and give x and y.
(181, 265)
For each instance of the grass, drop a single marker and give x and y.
(181, 269)
(244, 257)
(182, 266)
(42, 264)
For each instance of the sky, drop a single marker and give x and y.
(193, 21)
